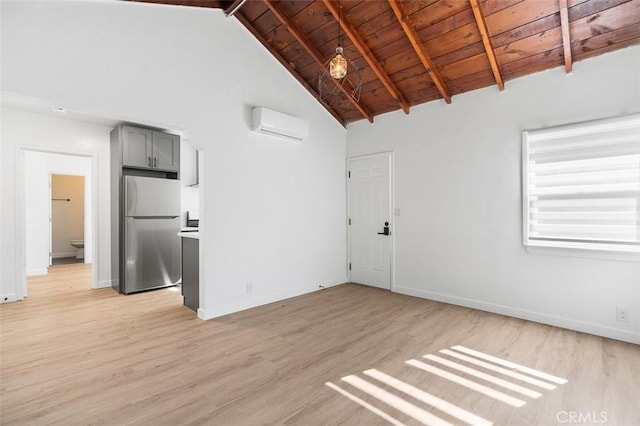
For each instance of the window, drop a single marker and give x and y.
(581, 185)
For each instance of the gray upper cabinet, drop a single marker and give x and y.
(166, 151)
(150, 149)
(137, 147)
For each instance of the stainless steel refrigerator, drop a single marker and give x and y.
(150, 224)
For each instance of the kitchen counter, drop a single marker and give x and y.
(189, 234)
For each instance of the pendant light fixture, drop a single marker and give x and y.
(338, 65)
(339, 77)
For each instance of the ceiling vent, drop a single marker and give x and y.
(280, 125)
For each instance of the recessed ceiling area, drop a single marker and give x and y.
(412, 52)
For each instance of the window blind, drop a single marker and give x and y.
(581, 185)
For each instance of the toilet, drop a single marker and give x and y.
(79, 245)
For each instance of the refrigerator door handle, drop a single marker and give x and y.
(129, 194)
(129, 255)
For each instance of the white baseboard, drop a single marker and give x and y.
(230, 308)
(8, 298)
(32, 272)
(64, 254)
(568, 323)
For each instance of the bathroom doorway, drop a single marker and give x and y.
(59, 214)
(67, 222)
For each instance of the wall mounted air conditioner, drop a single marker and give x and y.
(275, 123)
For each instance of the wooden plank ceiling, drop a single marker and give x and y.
(410, 52)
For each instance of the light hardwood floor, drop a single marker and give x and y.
(71, 355)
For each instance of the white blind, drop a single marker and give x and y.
(582, 185)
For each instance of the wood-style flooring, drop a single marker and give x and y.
(71, 355)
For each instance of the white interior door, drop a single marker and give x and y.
(369, 214)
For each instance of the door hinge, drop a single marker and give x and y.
(349, 265)
(349, 174)
(349, 221)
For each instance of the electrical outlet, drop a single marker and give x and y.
(622, 314)
(249, 287)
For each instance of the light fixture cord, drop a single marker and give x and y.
(339, 26)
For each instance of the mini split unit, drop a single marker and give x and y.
(274, 123)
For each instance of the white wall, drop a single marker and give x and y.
(25, 132)
(272, 212)
(36, 213)
(38, 166)
(458, 183)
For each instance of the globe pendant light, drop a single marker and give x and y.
(338, 65)
(339, 77)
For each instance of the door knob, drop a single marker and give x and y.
(385, 229)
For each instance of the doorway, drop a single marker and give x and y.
(35, 180)
(370, 227)
(67, 219)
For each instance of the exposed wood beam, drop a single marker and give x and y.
(284, 62)
(308, 46)
(566, 40)
(420, 50)
(234, 7)
(482, 26)
(366, 53)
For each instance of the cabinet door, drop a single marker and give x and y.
(191, 273)
(166, 151)
(136, 147)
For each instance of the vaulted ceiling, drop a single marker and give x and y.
(407, 52)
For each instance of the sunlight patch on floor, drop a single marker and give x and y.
(501, 370)
(365, 404)
(483, 368)
(484, 376)
(511, 365)
(396, 402)
(470, 384)
(427, 398)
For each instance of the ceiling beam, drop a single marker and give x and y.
(482, 26)
(234, 7)
(566, 40)
(308, 46)
(366, 53)
(420, 50)
(284, 62)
